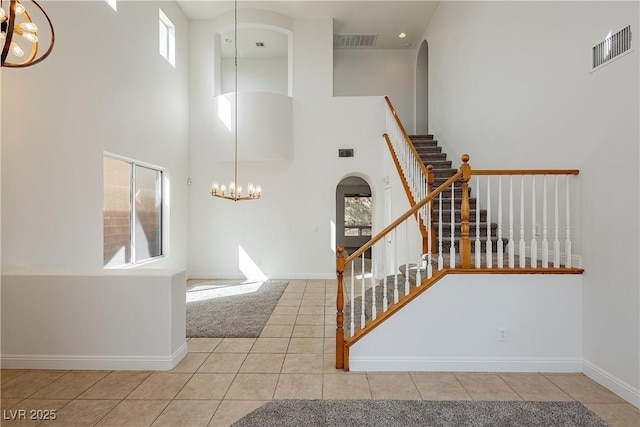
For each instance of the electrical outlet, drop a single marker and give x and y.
(502, 334)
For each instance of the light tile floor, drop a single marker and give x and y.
(221, 380)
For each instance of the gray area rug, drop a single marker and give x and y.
(231, 309)
(392, 413)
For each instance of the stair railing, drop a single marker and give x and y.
(417, 180)
(397, 272)
(396, 261)
(536, 193)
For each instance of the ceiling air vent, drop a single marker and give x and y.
(611, 47)
(354, 41)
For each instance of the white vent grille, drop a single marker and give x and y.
(354, 41)
(611, 47)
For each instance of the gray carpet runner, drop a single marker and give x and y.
(431, 153)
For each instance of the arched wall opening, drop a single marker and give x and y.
(354, 213)
(422, 89)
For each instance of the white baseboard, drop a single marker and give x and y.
(466, 364)
(616, 385)
(101, 363)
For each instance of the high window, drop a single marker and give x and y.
(132, 214)
(167, 39)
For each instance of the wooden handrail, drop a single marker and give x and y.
(525, 172)
(403, 217)
(427, 283)
(407, 190)
(396, 162)
(464, 175)
(406, 137)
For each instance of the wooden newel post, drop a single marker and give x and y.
(339, 312)
(465, 243)
(431, 178)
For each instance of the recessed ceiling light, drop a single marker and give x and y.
(407, 44)
(402, 35)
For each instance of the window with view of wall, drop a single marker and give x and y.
(132, 212)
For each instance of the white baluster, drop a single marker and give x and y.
(429, 237)
(522, 251)
(511, 244)
(478, 244)
(567, 242)
(373, 286)
(353, 297)
(489, 243)
(556, 241)
(534, 242)
(440, 235)
(419, 263)
(407, 258)
(396, 266)
(385, 301)
(362, 315)
(545, 242)
(500, 248)
(452, 249)
(412, 176)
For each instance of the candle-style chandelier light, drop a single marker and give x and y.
(19, 34)
(234, 192)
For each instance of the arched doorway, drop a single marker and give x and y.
(354, 213)
(422, 90)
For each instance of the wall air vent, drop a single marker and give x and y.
(354, 41)
(345, 152)
(611, 48)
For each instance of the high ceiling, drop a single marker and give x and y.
(386, 18)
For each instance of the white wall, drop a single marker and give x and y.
(256, 74)
(100, 90)
(288, 232)
(459, 318)
(80, 320)
(510, 85)
(367, 72)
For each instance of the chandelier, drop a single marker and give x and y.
(234, 192)
(18, 22)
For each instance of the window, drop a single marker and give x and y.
(167, 39)
(357, 215)
(112, 3)
(132, 214)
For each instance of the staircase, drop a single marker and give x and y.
(431, 154)
(376, 288)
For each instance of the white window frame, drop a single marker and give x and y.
(167, 38)
(164, 211)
